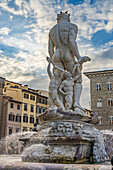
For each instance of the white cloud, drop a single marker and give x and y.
(11, 17)
(20, 3)
(45, 14)
(1, 51)
(4, 5)
(109, 26)
(23, 43)
(4, 31)
(89, 18)
(18, 70)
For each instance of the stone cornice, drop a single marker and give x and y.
(98, 73)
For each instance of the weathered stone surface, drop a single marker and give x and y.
(15, 163)
(87, 167)
(67, 141)
(54, 113)
(108, 141)
(57, 153)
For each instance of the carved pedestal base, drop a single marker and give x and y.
(66, 141)
(61, 141)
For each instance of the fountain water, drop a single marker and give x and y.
(12, 145)
(35, 145)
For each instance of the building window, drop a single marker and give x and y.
(37, 109)
(43, 109)
(32, 108)
(25, 129)
(100, 120)
(109, 86)
(99, 103)
(110, 102)
(25, 106)
(11, 86)
(98, 86)
(45, 101)
(11, 117)
(11, 105)
(39, 100)
(5, 90)
(31, 129)
(18, 118)
(26, 96)
(40, 110)
(10, 130)
(25, 118)
(31, 119)
(32, 97)
(37, 120)
(17, 130)
(18, 107)
(111, 120)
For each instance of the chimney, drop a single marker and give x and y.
(26, 86)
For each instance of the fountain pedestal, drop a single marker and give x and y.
(63, 138)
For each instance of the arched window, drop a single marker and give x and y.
(110, 102)
(98, 86)
(99, 103)
(111, 120)
(109, 86)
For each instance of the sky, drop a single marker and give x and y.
(24, 29)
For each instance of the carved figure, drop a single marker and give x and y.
(66, 87)
(78, 83)
(55, 81)
(62, 44)
(63, 50)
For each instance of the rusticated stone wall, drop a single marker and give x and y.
(103, 78)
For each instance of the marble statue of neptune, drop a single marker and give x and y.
(64, 52)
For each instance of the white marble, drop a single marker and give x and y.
(64, 54)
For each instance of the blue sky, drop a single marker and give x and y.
(24, 28)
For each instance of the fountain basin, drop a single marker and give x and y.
(60, 141)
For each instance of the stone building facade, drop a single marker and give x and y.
(32, 105)
(101, 89)
(2, 82)
(20, 106)
(11, 116)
